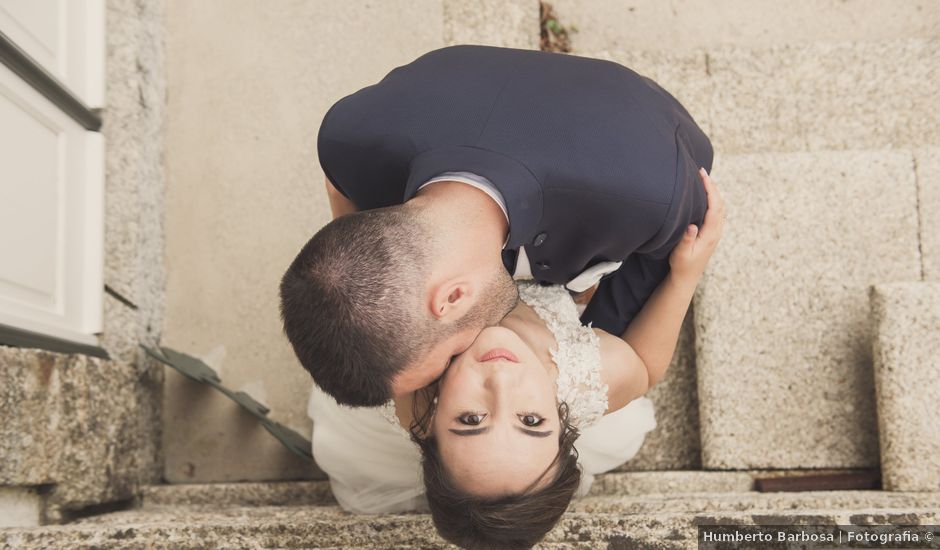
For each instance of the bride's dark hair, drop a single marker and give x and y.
(513, 522)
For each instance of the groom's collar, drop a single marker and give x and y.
(518, 187)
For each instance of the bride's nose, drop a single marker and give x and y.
(500, 378)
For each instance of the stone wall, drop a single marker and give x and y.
(77, 431)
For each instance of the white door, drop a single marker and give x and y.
(51, 169)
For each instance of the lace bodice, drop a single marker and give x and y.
(577, 356)
(577, 353)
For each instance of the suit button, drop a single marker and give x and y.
(539, 239)
(542, 265)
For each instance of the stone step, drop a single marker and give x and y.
(317, 493)
(907, 360)
(651, 521)
(700, 502)
(782, 314)
(271, 493)
(803, 97)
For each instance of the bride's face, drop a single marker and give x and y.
(496, 419)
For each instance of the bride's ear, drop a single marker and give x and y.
(450, 299)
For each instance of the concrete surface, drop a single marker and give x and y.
(205, 431)
(681, 25)
(927, 163)
(906, 319)
(506, 23)
(783, 342)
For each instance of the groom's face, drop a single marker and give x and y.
(498, 297)
(431, 367)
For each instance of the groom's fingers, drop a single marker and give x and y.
(714, 216)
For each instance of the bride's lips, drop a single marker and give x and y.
(498, 353)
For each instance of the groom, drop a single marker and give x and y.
(470, 167)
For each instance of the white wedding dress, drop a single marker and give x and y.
(375, 468)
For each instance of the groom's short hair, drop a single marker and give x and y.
(351, 302)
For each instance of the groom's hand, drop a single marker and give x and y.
(688, 260)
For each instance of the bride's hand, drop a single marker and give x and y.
(689, 257)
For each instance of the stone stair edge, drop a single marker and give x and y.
(696, 53)
(302, 492)
(588, 527)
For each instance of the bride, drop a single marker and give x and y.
(489, 448)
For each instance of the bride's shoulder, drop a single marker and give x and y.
(622, 370)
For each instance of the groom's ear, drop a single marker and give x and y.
(449, 300)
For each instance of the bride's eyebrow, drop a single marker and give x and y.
(478, 431)
(534, 433)
(471, 431)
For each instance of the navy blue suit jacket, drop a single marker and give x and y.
(595, 162)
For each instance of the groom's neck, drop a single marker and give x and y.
(464, 216)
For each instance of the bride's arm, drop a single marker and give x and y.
(631, 365)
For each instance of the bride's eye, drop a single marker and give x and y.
(471, 419)
(531, 419)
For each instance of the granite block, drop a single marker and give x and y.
(134, 121)
(851, 95)
(85, 427)
(783, 339)
(906, 351)
(927, 163)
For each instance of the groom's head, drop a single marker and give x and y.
(377, 303)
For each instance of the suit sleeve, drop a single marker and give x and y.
(324, 151)
(621, 296)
